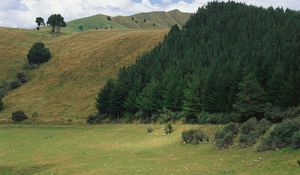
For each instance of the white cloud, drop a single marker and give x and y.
(166, 1)
(21, 13)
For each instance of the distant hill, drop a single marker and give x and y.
(151, 20)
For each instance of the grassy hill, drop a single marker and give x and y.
(151, 20)
(67, 85)
(128, 149)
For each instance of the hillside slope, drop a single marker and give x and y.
(228, 58)
(151, 20)
(67, 85)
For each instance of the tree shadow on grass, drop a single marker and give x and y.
(30, 170)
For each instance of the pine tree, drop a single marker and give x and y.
(150, 99)
(251, 99)
(192, 104)
(103, 98)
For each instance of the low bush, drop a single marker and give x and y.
(38, 54)
(168, 128)
(248, 133)
(194, 136)
(91, 119)
(1, 105)
(34, 115)
(251, 130)
(225, 142)
(149, 130)
(2, 93)
(295, 141)
(231, 128)
(263, 126)
(19, 116)
(21, 77)
(299, 163)
(14, 84)
(224, 137)
(281, 135)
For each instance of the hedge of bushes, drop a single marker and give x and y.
(251, 130)
(283, 134)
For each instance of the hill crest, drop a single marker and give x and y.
(148, 20)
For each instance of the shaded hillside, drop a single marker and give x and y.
(151, 20)
(229, 58)
(66, 86)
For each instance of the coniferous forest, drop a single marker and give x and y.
(230, 62)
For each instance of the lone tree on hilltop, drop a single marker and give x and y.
(81, 27)
(39, 21)
(56, 21)
(38, 54)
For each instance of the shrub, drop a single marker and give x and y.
(34, 115)
(91, 119)
(281, 135)
(149, 130)
(299, 163)
(169, 128)
(2, 93)
(14, 84)
(19, 116)
(21, 77)
(38, 54)
(295, 141)
(231, 127)
(263, 126)
(225, 142)
(251, 130)
(194, 136)
(224, 137)
(1, 105)
(248, 133)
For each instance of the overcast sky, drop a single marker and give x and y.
(22, 13)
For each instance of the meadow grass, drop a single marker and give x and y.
(129, 149)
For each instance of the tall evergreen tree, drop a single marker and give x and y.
(150, 99)
(251, 100)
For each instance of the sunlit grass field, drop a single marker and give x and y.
(66, 87)
(128, 149)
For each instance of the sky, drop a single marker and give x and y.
(22, 13)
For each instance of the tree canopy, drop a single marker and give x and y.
(56, 21)
(229, 57)
(38, 54)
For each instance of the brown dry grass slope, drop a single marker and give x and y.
(66, 87)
